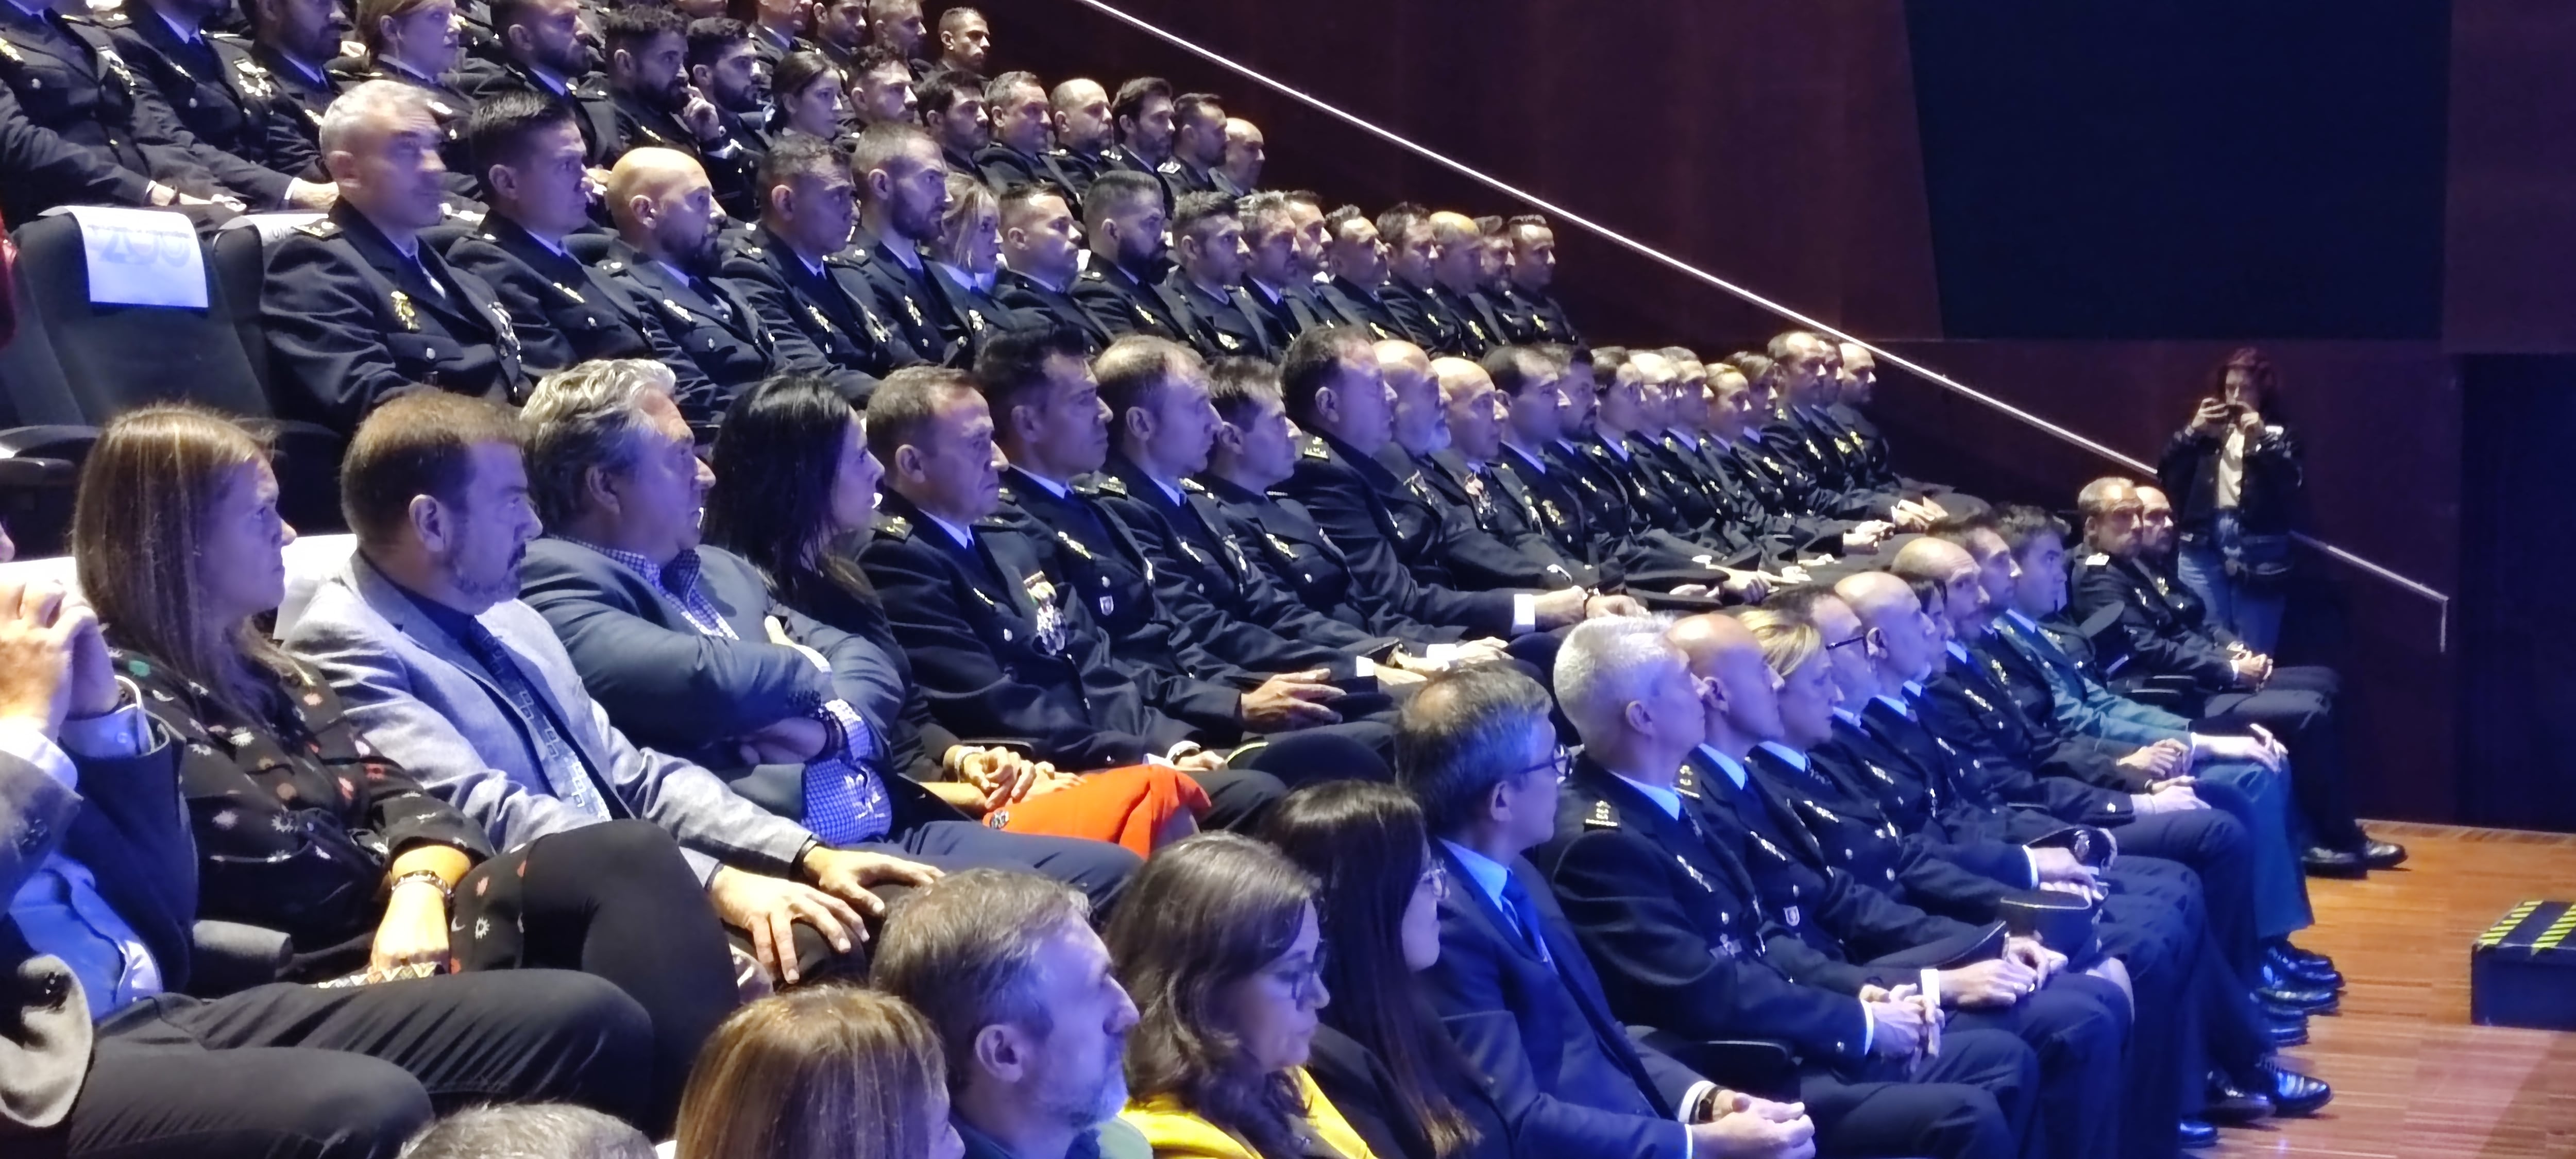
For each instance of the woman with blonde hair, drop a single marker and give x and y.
(830, 1072)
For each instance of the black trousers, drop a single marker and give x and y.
(2079, 1028)
(2297, 707)
(1972, 1102)
(2152, 922)
(287, 1071)
(616, 900)
(2220, 852)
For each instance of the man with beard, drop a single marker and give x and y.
(903, 192)
(1079, 111)
(356, 309)
(291, 41)
(541, 52)
(840, 32)
(1040, 262)
(1027, 1003)
(881, 87)
(1530, 312)
(1124, 213)
(1277, 280)
(815, 299)
(1206, 280)
(965, 41)
(1146, 124)
(1354, 258)
(657, 107)
(1198, 148)
(952, 108)
(1017, 104)
(201, 79)
(724, 66)
(896, 25)
(665, 265)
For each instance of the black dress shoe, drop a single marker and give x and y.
(2279, 989)
(2294, 1093)
(2310, 970)
(2285, 1028)
(2231, 1106)
(2383, 854)
(2194, 1135)
(2323, 862)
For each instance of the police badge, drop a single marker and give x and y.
(1050, 618)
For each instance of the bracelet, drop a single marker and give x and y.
(428, 875)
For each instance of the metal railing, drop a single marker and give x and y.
(2440, 600)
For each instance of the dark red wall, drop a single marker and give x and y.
(1776, 144)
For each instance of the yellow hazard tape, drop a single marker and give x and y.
(2557, 932)
(2496, 933)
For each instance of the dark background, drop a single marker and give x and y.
(2077, 209)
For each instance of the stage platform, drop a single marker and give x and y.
(2412, 1077)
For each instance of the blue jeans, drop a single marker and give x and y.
(2201, 564)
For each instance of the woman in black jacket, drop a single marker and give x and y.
(1381, 1056)
(2233, 476)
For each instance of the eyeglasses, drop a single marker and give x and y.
(1562, 762)
(1304, 982)
(1858, 638)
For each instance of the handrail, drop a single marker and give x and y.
(2440, 599)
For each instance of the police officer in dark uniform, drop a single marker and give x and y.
(1530, 311)
(356, 308)
(964, 269)
(814, 299)
(1143, 114)
(1019, 154)
(1355, 262)
(1206, 280)
(1197, 160)
(541, 52)
(1463, 475)
(104, 130)
(654, 105)
(1041, 263)
(903, 191)
(215, 90)
(1683, 937)
(1125, 217)
(1000, 649)
(292, 43)
(1476, 557)
(1411, 278)
(665, 263)
(415, 42)
(539, 193)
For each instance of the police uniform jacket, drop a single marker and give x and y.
(980, 315)
(446, 104)
(1833, 929)
(1507, 516)
(2158, 639)
(1678, 929)
(562, 313)
(909, 301)
(1030, 298)
(1079, 169)
(2082, 702)
(1556, 497)
(1003, 167)
(1830, 797)
(1396, 559)
(730, 167)
(1282, 540)
(593, 112)
(1973, 795)
(93, 126)
(1092, 559)
(1118, 157)
(1128, 305)
(1001, 650)
(1967, 705)
(1350, 304)
(302, 97)
(351, 323)
(1425, 320)
(1284, 314)
(699, 322)
(1224, 326)
(223, 105)
(1617, 501)
(1535, 316)
(822, 322)
(2025, 682)
(1476, 313)
(1249, 621)
(1182, 180)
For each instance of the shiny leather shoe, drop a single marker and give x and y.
(2323, 862)
(2311, 969)
(2231, 1106)
(2383, 854)
(2280, 989)
(2194, 1135)
(2294, 1093)
(2285, 1028)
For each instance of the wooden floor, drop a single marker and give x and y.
(2412, 1077)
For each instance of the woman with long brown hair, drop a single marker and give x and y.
(301, 826)
(831, 1072)
(1382, 1056)
(1218, 944)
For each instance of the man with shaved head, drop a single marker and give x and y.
(1768, 698)
(1422, 433)
(1078, 112)
(665, 263)
(1463, 475)
(965, 41)
(1245, 154)
(1469, 264)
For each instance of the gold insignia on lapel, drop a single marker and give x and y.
(911, 309)
(896, 526)
(1193, 486)
(1076, 545)
(1687, 783)
(1382, 335)
(1314, 448)
(403, 311)
(1540, 320)
(1111, 485)
(816, 313)
(1149, 317)
(569, 292)
(1281, 545)
(9, 52)
(1601, 817)
(2096, 559)
(1228, 341)
(975, 320)
(1477, 329)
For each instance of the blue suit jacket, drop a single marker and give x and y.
(1565, 1072)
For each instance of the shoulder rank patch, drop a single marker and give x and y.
(326, 229)
(2097, 559)
(1103, 485)
(893, 527)
(1601, 817)
(1687, 783)
(1314, 448)
(1193, 486)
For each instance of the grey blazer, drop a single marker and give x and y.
(419, 697)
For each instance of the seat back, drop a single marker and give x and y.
(117, 358)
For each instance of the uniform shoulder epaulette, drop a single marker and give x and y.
(1313, 448)
(2097, 559)
(234, 39)
(1009, 494)
(1008, 520)
(112, 18)
(1170, 168)
(1193, 486)
(611, 266)
(1101, 485)
(326, 229)
(1092, 274)
(1602, 816)
(838, 258)
(893, 527)
(751, 251)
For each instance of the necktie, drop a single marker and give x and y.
(1525, 916)
(707, 293)
(566, 771)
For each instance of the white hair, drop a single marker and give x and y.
(371, 102)
(1605, 664)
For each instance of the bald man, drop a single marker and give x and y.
(1463, 269)
(665, 262)
(1478, 557)
(355, 309)
(1078, 112)
(1463, 476)
(1768, 699)
(1245, 153)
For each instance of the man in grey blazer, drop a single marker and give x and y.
(102, 1050)
(450, 675)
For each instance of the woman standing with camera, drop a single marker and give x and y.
(2234, 478)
